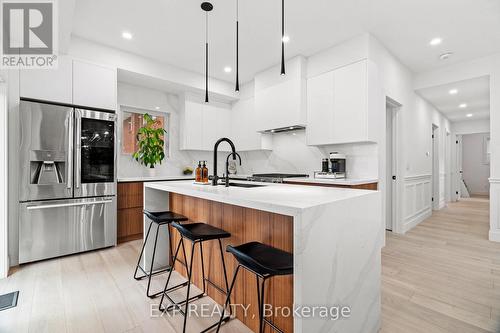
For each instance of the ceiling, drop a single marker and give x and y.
(474, 92)
(172, 31)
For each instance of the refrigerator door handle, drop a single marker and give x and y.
(71, 138)
(72, 204)
(78, 155)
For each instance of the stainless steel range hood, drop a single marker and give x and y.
(285, 129)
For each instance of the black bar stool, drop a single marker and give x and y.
(265, 262)
(197, 233)
(158, 218)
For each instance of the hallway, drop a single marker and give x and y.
(444, 275)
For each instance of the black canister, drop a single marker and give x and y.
(324, 165)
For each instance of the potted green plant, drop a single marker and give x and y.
(151, 143)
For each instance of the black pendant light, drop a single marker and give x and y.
(207, 7)
(237, 89)
(282, 37)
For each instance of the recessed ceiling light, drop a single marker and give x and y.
(462, 106)
(157, 107)
(435, 41)
(127, 35)
(469, 115)
(453, 91)
(286, 39)
(228, 69)
(446, 55)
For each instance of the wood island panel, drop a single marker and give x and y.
(245, 225)
(129, 215)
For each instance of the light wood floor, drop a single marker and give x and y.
(93, 292)
(443, 276)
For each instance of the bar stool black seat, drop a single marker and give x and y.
(197, 233)
(265, 262)
(159, 219)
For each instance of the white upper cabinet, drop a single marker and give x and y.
(203, 124)
(73, 82)
(94, 85)
(54, 85)
(343, 105)
(192, 126)
(244, 127)
(280, 101)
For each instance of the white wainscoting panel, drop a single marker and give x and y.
(417, 200)
(494, 210)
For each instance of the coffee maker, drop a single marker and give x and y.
(333, 168)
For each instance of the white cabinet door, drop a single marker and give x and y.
(94, 85)
(192, 127)
(242, 129)
(337, 106)
(320, 109)
(210, 126)
(53, 85)
(280, 101)
(350, 103)
(280, 105)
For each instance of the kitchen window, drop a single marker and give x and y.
(132, 120)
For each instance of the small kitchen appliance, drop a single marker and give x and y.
(337, 168)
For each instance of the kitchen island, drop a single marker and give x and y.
(335, 235)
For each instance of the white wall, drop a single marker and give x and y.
(414, 140)
(487, 66)
(13, 167)
(476, 172)
(4, 258)
(471, 126)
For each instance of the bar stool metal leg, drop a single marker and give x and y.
(228, 298)
(150, 273)
(261, 303)
(166, 289)
(188, 287)
(142, 251)
(152, 264)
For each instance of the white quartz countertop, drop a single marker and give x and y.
(153, 179)
(279, 198)
(345, 181)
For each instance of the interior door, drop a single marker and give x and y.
(95, 166)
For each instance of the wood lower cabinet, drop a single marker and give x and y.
(130, 206)
(245, 225)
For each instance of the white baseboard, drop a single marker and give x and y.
(442, 203)
(494, 235)
(411, 222)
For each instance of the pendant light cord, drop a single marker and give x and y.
(282, 37)
(237, 88)
(206, 57)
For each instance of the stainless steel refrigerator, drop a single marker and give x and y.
(67, 194)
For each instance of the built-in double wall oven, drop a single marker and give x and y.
(67, 193)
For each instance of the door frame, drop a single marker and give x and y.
(4, 253)
(435, 168)
(395, 184)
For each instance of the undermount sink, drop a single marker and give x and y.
(246, 185)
